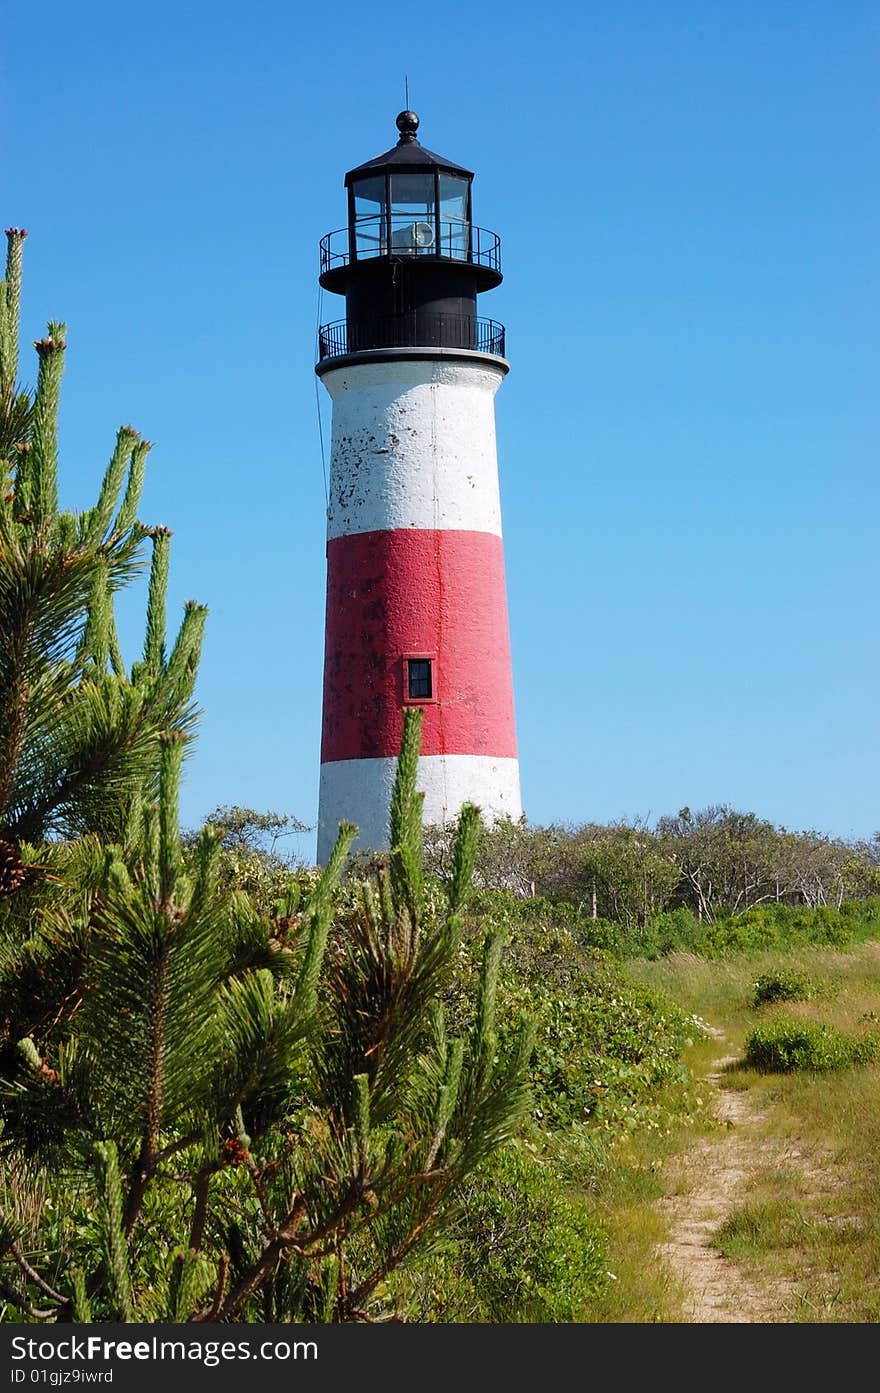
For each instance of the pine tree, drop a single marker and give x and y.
(243, 1124)
(287, 1138)
(78, 734)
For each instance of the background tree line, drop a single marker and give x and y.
(715, 863)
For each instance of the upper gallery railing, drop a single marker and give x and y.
(414, 330)
(408, 234)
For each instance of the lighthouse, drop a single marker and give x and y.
(416, 597)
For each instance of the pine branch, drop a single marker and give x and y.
(97, 522)
(321, 908)
(446, 1101)
(43, 595)
(115, 1250)
(34, 1277)
(96, 644)
(44, 465)
(180, 671)
(13, 719)
(117, 662)
(157, 1040)
(486, 1039)
(127, 516)
(82, 1310)
(288, 1236)
(182, 1283)
(406, 835)
(10, 313)
(353, 1305)
(464, 855)
(201, 1191)
(106, 744)
(154, 645)
(214, 1309)
(16, 424)
(22, 1304)
(362, 1120)
(170, 761)
(207, 869)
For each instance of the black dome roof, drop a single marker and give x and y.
(406, 155)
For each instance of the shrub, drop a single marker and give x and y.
(783, 985)
(787, 1044)
(322, 1119)
(602, 1049)
(527, 1251)
(675, 929)
(789, 926)
(769, 926)
(603, 1046)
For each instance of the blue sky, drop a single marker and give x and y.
(688, 202)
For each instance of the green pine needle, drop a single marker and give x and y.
(98, 521)
(127, 516)
(405, 829)
(180, 672)
(154, 645)
(10, 308)
(44, 445)
(464, 855)
(170, 763)
(110, 1219)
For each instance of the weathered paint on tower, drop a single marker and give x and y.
(416, 601)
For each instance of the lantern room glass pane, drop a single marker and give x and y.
(413, 225)
(369, 216)
(454, 228)
(413, 193)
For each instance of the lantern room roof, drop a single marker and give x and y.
(407, 154)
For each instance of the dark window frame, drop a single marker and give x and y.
(408, 698)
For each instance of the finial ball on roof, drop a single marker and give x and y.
(407, 123)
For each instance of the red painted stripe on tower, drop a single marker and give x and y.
(420, 592)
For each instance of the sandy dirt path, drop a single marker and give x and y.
(705, 1184)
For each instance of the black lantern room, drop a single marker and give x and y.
(410, 263)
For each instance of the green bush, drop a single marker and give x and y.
(787, 1044)
(528, 1252)
(603, 1046)
(789, 926)
(783, 985)
(601, 1050)
(771, 926)
(538, 920)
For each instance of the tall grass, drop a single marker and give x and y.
(816, 1221)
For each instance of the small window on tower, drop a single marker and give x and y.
(420, 679)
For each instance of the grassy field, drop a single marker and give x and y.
(804, 1218)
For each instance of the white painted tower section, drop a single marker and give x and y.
(413, 445)
(363, 788)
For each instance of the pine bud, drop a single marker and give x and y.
(235, 1153)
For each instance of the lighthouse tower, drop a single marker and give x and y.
(416, 600)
